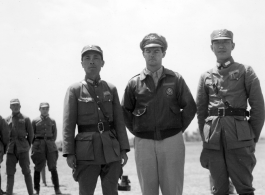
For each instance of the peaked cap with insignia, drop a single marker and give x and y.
(221, 34)
(153, 40)
(91, 48)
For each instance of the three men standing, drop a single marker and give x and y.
(44, 147)
(158, 107)
(21, 136)
(101, 143)
(229, 137)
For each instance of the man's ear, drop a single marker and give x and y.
(211, 46)
(233, 46)
(164, 54)
(102, 64)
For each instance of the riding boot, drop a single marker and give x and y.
(10, 184)
(28, 181)
(37, 182)
(55, 181)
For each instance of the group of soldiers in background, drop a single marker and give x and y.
(18, 135)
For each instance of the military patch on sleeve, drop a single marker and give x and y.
(169, 91)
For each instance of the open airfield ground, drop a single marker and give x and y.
(196, 178)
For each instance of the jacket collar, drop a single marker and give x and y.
(226, 64)
(165, 72)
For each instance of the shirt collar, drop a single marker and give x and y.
(14, 115)
(95, 82)
(44, 117)
(226, 63)
(164, 71)
(159, 72)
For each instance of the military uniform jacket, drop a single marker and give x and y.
(80, 108)
(158, 112)
(21, 133)
(4, 137)
(45, 128)
(238, 85)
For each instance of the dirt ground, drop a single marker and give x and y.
(196, 178)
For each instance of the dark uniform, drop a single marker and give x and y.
(99, 141)
(229, 137)
(44, 149)
(21, 136)
(4, 139)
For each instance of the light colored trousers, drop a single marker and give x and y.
(160, 164)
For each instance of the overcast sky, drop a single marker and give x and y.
(41, 41)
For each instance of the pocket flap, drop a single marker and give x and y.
(139, 112)
(83, 137)
(88, 99)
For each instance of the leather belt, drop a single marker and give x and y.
(100, 127)
(43, 138)
(221, 112)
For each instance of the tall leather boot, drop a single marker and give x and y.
(55, 181)
(37, 182)
(1, 191)
(10, 184)
(28, 181)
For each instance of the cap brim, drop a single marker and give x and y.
(14, 103)
(44, 106)
(91, 50)
(153, 45)
(219, 38)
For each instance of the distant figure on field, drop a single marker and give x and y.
(21, 136)
(44, 147)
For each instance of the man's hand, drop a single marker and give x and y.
(71, 161)
(124, 158)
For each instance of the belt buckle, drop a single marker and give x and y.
(219, 113)
(101, 127)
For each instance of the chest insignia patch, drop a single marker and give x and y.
(234, 74)
(106, 93)
(21, 120)
(169, 91)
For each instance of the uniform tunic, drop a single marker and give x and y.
(4, 138)
(44, 147)
(21, 136)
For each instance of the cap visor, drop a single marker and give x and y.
(152, 45)
(220, 38)
(14, 103)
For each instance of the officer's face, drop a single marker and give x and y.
(153, 56)
(92, 63)
(222, 49)
(15, 108)
(44, 111)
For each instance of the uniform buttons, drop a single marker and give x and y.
(97, 97)
(98, 108)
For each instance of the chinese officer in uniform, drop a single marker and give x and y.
(101, 144)
(4, 139)
(44, 147)
(21, 136)
(229, 132)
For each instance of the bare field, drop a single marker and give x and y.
(196, 178)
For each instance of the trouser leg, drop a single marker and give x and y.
(171, 158)
(37, 181)
(10, 184)
(87, 176)
(55, 180)
(109, 178)
(28, 181)
(146, 165)
(43, 176)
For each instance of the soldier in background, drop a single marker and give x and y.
(229, 136)
(21, 136)
(44, 147)
(4, 139)
(100, 147)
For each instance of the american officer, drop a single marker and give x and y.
(158, 107)
(44, 147)
(101, 143)
(229, 132)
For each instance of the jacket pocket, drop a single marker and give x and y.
(207, 129)
(242, 128)
(139, 111)
(86, 106)
(84, 147)
(115, 143)
(107, 103)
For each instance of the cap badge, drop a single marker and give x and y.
(151, 37)
(169, 91)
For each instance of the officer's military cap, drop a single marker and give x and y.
(153, 40)
(221, 34)
(14, 101)
(44, 104)
(92, 48)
